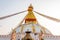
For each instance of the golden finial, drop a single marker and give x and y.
(30, 8)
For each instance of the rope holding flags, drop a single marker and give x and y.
(51, 18)
(11, 15)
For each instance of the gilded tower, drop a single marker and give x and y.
(30, 16)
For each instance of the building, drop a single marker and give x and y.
(30, 30)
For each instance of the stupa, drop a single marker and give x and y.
(31, 29)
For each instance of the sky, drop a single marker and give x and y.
(47, 7)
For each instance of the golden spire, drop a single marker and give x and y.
(30, 16)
